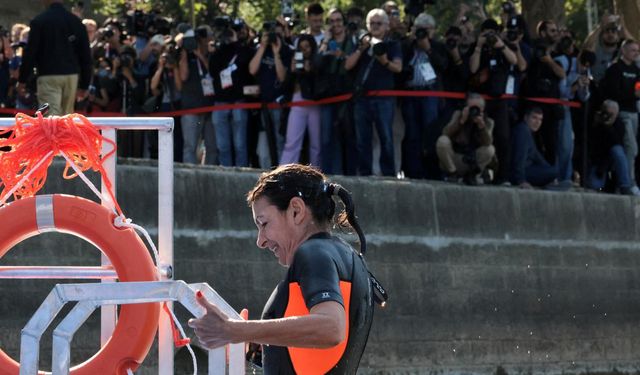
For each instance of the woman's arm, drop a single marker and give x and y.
(324, 327)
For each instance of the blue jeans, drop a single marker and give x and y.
(616, 161)
(231, 136)
(263, 143)
(418, 115)
(193, 126)
(564, 147)
(376, 112)
(339, 152)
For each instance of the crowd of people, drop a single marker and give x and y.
(489, 128)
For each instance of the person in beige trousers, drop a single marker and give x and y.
(58, 52)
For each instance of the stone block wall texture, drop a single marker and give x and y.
(480, 279)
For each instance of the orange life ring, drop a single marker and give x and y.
(136, 328)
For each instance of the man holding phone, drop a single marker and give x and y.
(338, 135)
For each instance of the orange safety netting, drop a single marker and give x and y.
(33, 138)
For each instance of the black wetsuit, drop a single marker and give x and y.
(322, 266)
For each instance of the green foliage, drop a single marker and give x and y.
(257, 11)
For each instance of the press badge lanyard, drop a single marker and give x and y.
(511, 82)
(205, 81)
(225, 75)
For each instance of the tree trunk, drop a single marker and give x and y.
(535, 11)
(630, 11)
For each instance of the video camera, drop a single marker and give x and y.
(508, 8)
(146, 25)
(491, 38)
(415, 7)
(421, 33)
(474, 111)
(540, 49)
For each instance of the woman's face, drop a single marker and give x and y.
(276, 230)
(305, 48)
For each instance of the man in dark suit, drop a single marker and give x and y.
(58, 49)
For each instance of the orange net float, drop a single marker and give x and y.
(33, 139)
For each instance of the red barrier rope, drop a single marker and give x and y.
(304, 103)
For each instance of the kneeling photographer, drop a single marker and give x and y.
(229, 67)
(375, 61)
(425, 60)
(607, 151)
(465, 147)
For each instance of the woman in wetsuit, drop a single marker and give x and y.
(318, 318)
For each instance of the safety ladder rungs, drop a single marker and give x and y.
(58, 272)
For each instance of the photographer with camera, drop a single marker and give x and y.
(339, 154)
(455, 76)
(375, 61)
(6, 55)
(574, 86)
(301, 84)
(607, 151)
(490, 65)
(229, 65)
(621, 83)
(166, 84)
(465, 147)
(605, 42)
(127, 91)
(424, 61)
(354, 23)
(270, 65)
(111, 38)
(528, 167)
(197, 91)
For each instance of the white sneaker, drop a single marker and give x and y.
(635, 190)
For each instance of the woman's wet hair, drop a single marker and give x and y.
(282, 184)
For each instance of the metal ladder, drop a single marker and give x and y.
(120, 293)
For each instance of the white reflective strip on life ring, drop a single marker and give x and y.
(44, 213)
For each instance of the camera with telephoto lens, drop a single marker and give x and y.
(189, 42)
(451, 43)
(126, 60)
(491, 38)
(512, 35)
(106, 32)
(474, 111)
(564, 44)
(421, 34)
(508, 8)
(269, 27)
(352, 27)
(380, 48)
(540, 50)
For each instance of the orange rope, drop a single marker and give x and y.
(32, 138)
